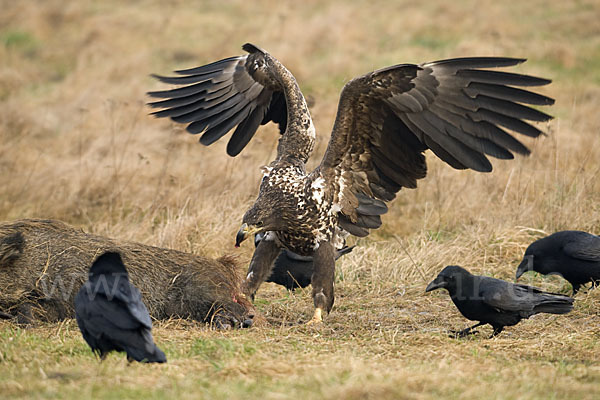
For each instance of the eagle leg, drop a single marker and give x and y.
(260, 266)
(322, 280)
(317, 317)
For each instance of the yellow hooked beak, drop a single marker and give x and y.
(244, 232)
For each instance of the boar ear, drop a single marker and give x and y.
(11, 247)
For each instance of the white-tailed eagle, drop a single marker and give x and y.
(386, 119)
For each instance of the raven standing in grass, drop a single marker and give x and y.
(292, 270)
(111, 315)
(575, 255)
(494, 301)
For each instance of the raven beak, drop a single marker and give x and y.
(526, 265)
(437, 283)
(244, 232)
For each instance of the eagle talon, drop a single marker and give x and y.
(317, 317)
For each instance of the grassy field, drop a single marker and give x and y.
(76, 144)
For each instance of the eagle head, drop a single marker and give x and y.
(268, 212)
(256, 220)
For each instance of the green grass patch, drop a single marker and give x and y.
(21, 41)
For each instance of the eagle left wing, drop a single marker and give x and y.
(387, 119)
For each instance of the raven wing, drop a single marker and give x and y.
(505, 296)
(525, 300)
(132, 298)
(585, 247)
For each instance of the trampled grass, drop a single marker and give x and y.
(76, 144)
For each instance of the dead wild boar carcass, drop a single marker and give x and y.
(43, 263)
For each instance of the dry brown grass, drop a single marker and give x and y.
(76, 144)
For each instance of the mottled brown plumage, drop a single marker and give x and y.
(385, 121)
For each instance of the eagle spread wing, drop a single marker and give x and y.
(217, 97)
(388, 118)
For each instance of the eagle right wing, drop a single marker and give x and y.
(215, 98)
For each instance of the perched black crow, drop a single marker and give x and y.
(495, 302)
(575, 255)
(293, 270)
(111, 315)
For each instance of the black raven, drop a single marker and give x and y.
(575, 255)
(495, 302)
(292, 270)
(111, 315)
